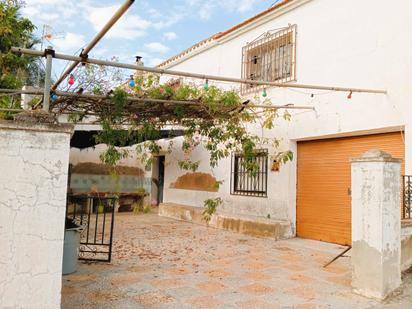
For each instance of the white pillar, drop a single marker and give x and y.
(33, 183)
(376, 245)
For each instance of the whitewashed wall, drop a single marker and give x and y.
(33, 184)
(360, 44)
(275, 205)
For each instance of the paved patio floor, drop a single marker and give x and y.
(163, 263)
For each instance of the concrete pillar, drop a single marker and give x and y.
(376, 245)
(33, 185)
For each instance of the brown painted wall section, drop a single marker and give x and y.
(91, 168)
(196, 181)
(324, 181)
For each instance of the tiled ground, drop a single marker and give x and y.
(162, 263)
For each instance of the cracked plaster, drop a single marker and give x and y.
(33, 184)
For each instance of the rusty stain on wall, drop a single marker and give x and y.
(196, 181)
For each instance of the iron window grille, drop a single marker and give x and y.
(243, 182)
(271, 57)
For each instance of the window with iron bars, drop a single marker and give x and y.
(271, 57)
(243, 182)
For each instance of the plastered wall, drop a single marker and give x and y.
(339, 43)
(33, 184)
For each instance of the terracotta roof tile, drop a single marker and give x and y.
(247, 21)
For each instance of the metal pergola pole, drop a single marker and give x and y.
(47, 79)
(84, 53)
(194, 75)
(149, 100)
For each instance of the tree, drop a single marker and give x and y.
(15, 71)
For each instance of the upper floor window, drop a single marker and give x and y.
(271, 58)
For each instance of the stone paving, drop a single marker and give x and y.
(163, 263)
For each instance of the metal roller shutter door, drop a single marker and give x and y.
(324, 180)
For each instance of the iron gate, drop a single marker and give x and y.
(407, 197)
(95, 214)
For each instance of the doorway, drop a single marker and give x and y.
(161, 179)
(158, 176)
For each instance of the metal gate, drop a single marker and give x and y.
(95, 214)
(407, 197)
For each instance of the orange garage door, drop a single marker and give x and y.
(324, 180)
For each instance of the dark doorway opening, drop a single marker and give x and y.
(161, 179)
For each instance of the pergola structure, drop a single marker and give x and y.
(143, 104)
(97, 100)
(151, 108)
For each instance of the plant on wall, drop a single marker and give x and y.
(210, 206)
(135, 113)
(210, 117)
(213, 118)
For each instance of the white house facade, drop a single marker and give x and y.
(359, 44)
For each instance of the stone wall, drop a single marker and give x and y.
(33, 185)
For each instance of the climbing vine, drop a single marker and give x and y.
(208, 116)
(210, 206)
(214, 118)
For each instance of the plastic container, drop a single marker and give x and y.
(71, 248)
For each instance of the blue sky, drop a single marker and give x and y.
(155, 30)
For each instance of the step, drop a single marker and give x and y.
(249, 225)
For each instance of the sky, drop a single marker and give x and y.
(155, 30)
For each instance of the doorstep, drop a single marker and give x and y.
(249, 225)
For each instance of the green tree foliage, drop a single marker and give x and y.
(15, 71)
(210, 206)
(218, 122)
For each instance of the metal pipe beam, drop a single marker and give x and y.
(196, 75)
(11, 110)
(134, 99)
(16, 110)
(84, 53)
